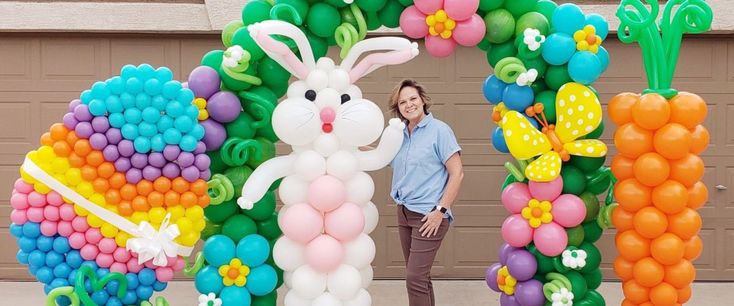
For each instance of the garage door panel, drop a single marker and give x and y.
(725, 197)
(474, 248)
(424, 68)
(710, 179)
(728, 249)
(712, 245)
(472, 122)
(699, 61)
(156, 52)
(195, 50)
(71, 59)
(471, 67)
(19, 68)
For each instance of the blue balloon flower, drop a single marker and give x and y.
(601, 24)
(219, 250)
(568, 18)
(253, 250)
(235, 296)
(603, 56)
(584, 67)
(262, 280)
(558, 48)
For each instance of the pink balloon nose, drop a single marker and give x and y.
(328, 115)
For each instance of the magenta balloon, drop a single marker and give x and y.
(214, 134)
(516, 231)
(551, 239)
(324, 253)
(530, 293)
(490, 276)
(522, 265)
(223, 107)
(546, 191)
(568, 210)
(515, 197)
(301, 223)
(204, 81)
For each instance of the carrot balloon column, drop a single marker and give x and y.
(659, 139)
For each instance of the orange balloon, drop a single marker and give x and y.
(89, 173)
(155, 199)
(140, 203)
(700, 139)
(650, 222)
(125, 208)
(632, 195)
(685, 224)
(180, 185)
(622, 167)
(75, 160)
(684, 294)
(162, 184)
(117, 180)
(622, 219)
(647, 304)
(664, 295)
(698, 194)
(62, 148)
(204, 201)
(670, 197)
(673, 141)
(667, 249)
(620, 107)
(687, 170)
(82, 147)
(171, 198)
(681, 274)
(627, 302)
(128, 192)
(199, 187)
(694, 247)
(688, 109)
(95, 158)
(651, 112)
(106, 170)
(648, 272)
(72, 138)
(58, 131)
(144, 187)
(112, 196)
(635, 293)
(632, 141)
(100, 185)
(651, 169)
(189, 199)
(631, 246)
(46, 139)
(623, 269)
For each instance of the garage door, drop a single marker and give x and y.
(39, 74)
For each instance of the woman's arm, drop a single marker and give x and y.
(456, 175)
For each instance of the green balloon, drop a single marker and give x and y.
(575, 235)
(600, 186)
(337, 3)
(266, 300)
(271, 260)
(539, 86)
(500, 26)
(520, 7)
(272, 73)
(508, 180)
(213, 59)
(256, 11)
(596, 133)
(389, 15)
(238, 176)
(406, 3)
(557, 76)
(574, 181)
(279, 89)
(578, 282)
(484, 45)
(371, 6)
(536, 63)
(541, 278)
(239, 226)
(592, 205)
(499, 51)
(348, 16)
(301, 6)
(488, 5)
(242, 127)
(318, 45)
(279, 273)
(217, 164)
(548, 98)
(373, 21)
(546, 7)
(593, 279)
(592, 298)
(587, 164)
(545, 263)
(236, 85)
(217, 214)
(592, 231)
(242, 37)
(532, 20)
(268, 152)
(263, 209)
(275, 185)
(210, 229)
(323, 19)
(593, 257)
(269, 228)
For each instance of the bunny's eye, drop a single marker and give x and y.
(346, 98)
(311, 95)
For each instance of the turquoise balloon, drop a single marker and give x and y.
(235, 296)
(262, 280)
(584, 67)
(253, 250)
(242, 37)
(208, 280)
(255, 11)
(600, 24)
(219, 250)
(323, 19)
(603, 56)
(568, 18)
(558, 48)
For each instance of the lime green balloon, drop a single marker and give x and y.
(593, 257)
(217, 164)
(575, 235)
(348, 17)
(556, 76)
(578, 284)
(593, 281)
(256, 11)
(596, 133)
(536, 63)
(488, 5)
(587, 164)
(520, 7)
(592, 231)
(217, 214)
(238, 226)
(210, 229)
(301, 6)
(242, 37)
(574, 181)
(318, 45)
(546, 7)
(371, 6)
(372, 20)
(500, 26)
(263, 209)
(238, 176)
(269, 228)
(532, 20)
(548, 98)
(499, 51)
(592, 205)
(271, 72)
(323, 19)
(236, 85)
(390, 14)
(267, 300)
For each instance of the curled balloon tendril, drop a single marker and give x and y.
(258, 106)
(237, 151)
(87, 273)
(160, 301)
(660, 52)
(604, 220)
(347, 35)
(229, 30)
(220, 190)
(191, 269)
(238, 72)
(509, 69)
(67, 292)
(556, 282)
(287, 13)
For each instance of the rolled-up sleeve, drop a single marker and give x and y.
(446, 145)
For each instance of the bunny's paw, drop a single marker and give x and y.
(397, 124)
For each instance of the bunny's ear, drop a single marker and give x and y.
(402, 50)
(279, 51)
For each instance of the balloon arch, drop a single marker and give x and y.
(142, 166)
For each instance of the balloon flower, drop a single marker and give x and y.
(444, 23)
(513, 277)
(216, 107)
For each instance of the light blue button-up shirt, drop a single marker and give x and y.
(419, 169)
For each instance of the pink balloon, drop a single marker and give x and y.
(133, 265)
(93, 235)
(79, 224)
(470, 32)
(179, 264)
(36, 199)
(105, 260)
(118, 267)
(324, 253)
(460, 9)
(516, 231)
(51, 213)
(77, 240)
(301, 223)
(551, 239)
(515, 197)
(326, 193)
(21, 186)
(107, 246)
(568, 210)
(121, 255)
(49, 228)
(429, 7)
(546, 191)
(35, 214)
(89, 252)
(67, 212)
(413, 23)
(164, 274)
(439, 47)
(19, 201)
(54, 198)
(345, 223)
(18, 217)
(65, 229)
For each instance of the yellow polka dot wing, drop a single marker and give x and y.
(525, 142)
(579, 113)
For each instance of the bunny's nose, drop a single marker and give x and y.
(327, 118)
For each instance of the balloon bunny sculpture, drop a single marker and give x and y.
(326, 251)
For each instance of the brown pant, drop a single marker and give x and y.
(419, 254)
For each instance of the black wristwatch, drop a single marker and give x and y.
(440, 208)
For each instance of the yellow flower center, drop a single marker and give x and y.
(201, 105)
(440, 24)
(505, 281)
(235, 273)
(537, 213)
(587, 40)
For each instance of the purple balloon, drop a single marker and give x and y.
(170, 152)
(157, 160)
(205, 175)
(151, 173)
(214, 134)
(134, 176)
(81, 113)
(530, 293)
(200, 148)
(203, 81)
(171, 170)
(74, 104)
(122, 164)
(185, 159)
(505, 251)
(223, 107)
(202, 162)
(113, 136)
(490, 276)
(522, 265)
(100, 124)
(190, 174)
(84, 130)
(110, 153)
(126, 148)
(98, 141)
(508, 300)
(139, 160)
(69, 121)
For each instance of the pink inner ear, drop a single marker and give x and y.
(294, 65)
(377, 60)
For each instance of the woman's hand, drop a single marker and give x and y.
(432, 221)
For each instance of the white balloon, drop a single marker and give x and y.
(359, 252)
(360, 188)
(359, 122)
(296, 121)
(293, 190)
(326, 144)
(367, 276)
(390, 143)
(288, 254)
(325, 64)
(293, 299)
(327, 299)
(371, 217)
(288, 279)
(310, 165)
(308, 283)
(328, 97)
(297, 89)
(363, 298)
(344, 282)
(339, 80)
(342, 165)
(317, 80)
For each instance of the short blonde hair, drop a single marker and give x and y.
(395, 96)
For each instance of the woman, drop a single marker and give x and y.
(427, 174)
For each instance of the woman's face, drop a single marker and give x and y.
(410, 104)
